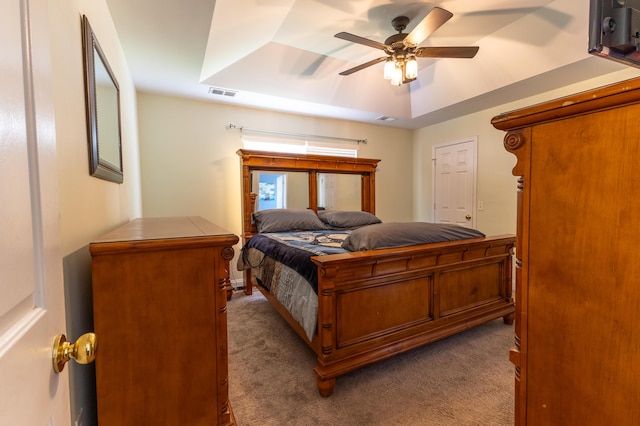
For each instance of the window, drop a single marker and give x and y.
(289, 190)
(272, 190)
(300, 146)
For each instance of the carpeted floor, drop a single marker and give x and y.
(466, 379)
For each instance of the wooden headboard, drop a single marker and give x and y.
(313, 165)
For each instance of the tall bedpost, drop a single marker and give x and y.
(326, 327)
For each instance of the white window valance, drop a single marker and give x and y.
(262, 140)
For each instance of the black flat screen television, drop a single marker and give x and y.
(614, 30)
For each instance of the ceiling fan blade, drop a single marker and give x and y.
(429, 24)
(447, 52)
(361, 40)
(363, 66)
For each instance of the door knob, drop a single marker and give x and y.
(468, 217)
(83, 350)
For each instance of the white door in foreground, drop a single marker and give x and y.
(31, 286)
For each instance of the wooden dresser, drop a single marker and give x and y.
(577, 353)
(159, 305)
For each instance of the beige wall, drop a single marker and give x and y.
(88, 206)
(189, 164)
(496, 186)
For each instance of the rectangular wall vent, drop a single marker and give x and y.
(222, 92)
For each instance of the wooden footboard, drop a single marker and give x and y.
(374, 305)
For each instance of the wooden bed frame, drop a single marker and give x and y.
(373, 305)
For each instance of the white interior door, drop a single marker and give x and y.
(454, 187)
(31, 286)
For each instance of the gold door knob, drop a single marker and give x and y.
(468, 217)
(83, 351)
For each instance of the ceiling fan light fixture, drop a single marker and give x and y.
(389, 67)
(402, 49)
(396, 78)
(411, 68)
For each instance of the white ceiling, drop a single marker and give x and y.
(282, 54)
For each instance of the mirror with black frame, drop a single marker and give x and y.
(103, 110)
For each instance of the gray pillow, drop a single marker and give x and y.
(285, 220)
(342, 219)
(403, 234)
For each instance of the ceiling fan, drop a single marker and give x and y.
(402, 49)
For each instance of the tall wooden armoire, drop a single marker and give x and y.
(577, 353)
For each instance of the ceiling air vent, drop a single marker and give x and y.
(385, 118)
(222, 92)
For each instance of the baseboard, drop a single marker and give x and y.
(237, 284)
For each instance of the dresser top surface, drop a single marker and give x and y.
(162, 228)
